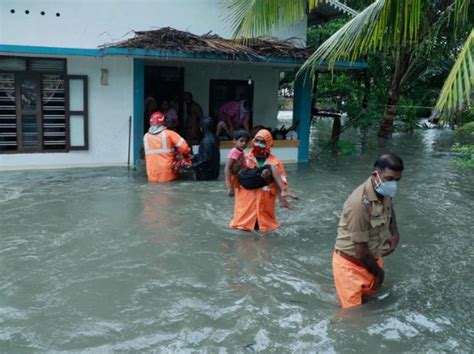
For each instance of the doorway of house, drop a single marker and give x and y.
(222, 91)
(163, 83)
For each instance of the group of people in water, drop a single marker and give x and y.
(367, 230)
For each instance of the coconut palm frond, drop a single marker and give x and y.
(255, 18)
(385, 24)
(457, 90)
(461, 11)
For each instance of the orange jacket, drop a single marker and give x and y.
(257, 205)
(160, 153)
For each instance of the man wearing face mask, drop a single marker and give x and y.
(367, 217)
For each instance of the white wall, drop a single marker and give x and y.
(109, 109)
(89, 23)
(110, 106)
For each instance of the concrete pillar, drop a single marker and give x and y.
(302, 113)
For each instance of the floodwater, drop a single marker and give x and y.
(98, 260)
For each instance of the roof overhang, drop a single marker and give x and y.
(167, 55)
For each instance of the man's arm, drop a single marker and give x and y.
(395, 236)
(197, 110)
(368, 260)
(179, 143)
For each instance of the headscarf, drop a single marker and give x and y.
(265, 134)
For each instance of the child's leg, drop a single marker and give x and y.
(281, 185)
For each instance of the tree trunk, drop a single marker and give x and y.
(398, 76)
(336, 130)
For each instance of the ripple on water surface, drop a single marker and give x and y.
(99, 260)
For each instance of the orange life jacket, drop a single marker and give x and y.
(254, 206)
(160, 152)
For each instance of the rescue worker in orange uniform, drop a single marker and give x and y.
(161, 149)
(366, 220)
(255, 208)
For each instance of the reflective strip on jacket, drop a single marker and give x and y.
(257, 205)
(160, 153)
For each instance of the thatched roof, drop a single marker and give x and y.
(170, 39)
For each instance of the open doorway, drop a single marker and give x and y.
(163, 83)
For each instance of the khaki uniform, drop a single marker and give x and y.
(364, 218)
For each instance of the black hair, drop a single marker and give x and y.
(390, 161)
(241, 134)
(188, 93)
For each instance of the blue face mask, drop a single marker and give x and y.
(387, 188)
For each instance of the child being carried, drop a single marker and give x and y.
(251, 178)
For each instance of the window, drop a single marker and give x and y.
(222, 91)
(35, 112)
(77, 112)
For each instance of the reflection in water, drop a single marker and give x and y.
(100, 260)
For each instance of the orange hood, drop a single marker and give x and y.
(265, 134)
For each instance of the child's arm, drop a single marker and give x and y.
(228, 174)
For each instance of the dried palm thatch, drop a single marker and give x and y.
(173, 40)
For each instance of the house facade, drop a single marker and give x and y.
(65, 101)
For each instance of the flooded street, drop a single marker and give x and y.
(98, 260)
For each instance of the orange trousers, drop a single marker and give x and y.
(352, 281)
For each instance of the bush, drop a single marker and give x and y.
(466, 155)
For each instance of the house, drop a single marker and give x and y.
(73, 81)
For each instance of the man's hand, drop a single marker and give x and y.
(379, 279)
(392, 243)
(230, 192)
(394, 238)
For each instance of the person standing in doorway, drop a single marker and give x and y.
(162, 150)
(367, 217)
(192, 132)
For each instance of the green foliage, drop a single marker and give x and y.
(345, 148)
(466, 155)
(251, 18)
(457, 90)
(320, 33)
(467, 128)
(341, 147)
(408, 114)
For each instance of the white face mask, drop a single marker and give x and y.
(387, 188)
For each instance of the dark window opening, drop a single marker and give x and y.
(12, 11)
(27, 12)
(164, 83)
(42, 13)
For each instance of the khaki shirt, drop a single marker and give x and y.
(364, 218)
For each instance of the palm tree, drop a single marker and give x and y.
(458, 87)
(407, 29)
